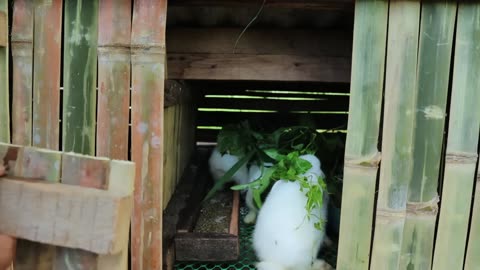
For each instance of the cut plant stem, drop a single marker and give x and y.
(399, 124)
(361, 153)
(463, 135)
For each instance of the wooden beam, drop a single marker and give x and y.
(275, 55)
(64, 215)
(291, 4)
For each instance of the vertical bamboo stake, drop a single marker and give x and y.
(46, 79)
(148, 74)
(463, 135)
(361, 153)
(398, 135)
(473, 248)
(22, 54)
(4, 97)
(114, 78)
(436, 39)
(80, 74)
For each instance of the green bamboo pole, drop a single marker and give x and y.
(22, 58)
(79, 75)
(462, 144)
(46, 76)
(148, 75)
(398, 135)
(79, 97)
(473, 248)
(436, 39)
(361, 154)
(4, 96)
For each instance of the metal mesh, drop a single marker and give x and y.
(247, 255)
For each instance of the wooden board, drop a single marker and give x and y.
(64, 215)
(46, 82)
(22, 69)
(3, 29)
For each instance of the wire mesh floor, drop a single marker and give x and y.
(247, 255)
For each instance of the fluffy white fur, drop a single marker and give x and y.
(219, 165)
(284, 239)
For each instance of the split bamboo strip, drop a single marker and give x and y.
(4, 96)
(113, 78)
(398, 133)
(473, 248)
(22, 54)
(462, 143)
(148, 75)
(79, 75)
(46, 76)
(169, 157)
(361, 153)
(435, 49)
(79, 98)
(38, 164)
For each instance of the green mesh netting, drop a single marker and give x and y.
(247, 255)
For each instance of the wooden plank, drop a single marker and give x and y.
(198, 247)
(3, 29)
(290, 4)
(258, 67)
(64, 215)
(22, 59)
(41, 164)
(4, 78)
(300, 42)
(79, 76)
(46, 82)
(114, 78)
(148, 75)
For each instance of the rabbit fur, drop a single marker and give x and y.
(219, 164)
(283, 238)
(254, 172)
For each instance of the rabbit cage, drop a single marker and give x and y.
(289, 67)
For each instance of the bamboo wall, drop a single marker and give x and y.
(422, 58)
(80, 89)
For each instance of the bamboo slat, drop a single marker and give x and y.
(113, 78)
(398, 135)
(79, 76)
(148, 74)
(4, 79)
(435, 48)
(46, 78)
(79, 100)
(169, 160)
(462, 145)
(473, 248)
(22, 58)
(361, 153)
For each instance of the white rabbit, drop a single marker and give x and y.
(219, 164)
(284, 239)
(254, 173)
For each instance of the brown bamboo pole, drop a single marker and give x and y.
(148, 74)
(4, 90)
(435, 51)
(113, 78)
(462, 143)
(22, 56)
(398, 133)
(361, 153)
(46, 76)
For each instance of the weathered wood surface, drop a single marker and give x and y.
(290, 4)
(4, 78)
(22, 68)
(113, 78)
(148, 75)
(206, 247)
(64, 215)
(46, 76)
